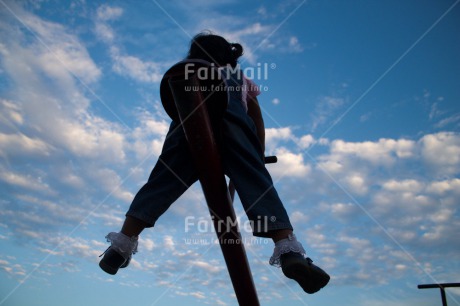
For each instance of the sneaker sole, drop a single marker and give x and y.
(311, 281)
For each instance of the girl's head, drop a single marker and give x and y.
(214, 49)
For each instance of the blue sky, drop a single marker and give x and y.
(361, 105)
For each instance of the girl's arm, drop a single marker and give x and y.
(256, 115)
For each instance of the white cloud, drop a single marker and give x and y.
(72, 246)
(325, 108)
(331, 166)
(27, 182)
(282, 133)
(289, 164)
(343, 210)
(442, 187)
(435, 234)
(198, 294)
(106, 12)
(208, 267)
(442, 215)
(451, 120)
(46, 78)
(442, 152)
(383, 152)
(262, 11)
(109, 181)
(298, 217)
(11, 113)
(123, 64)
(406, 195)
(102, 29)
(110, 217)
(48, 117)
(13, 269)
(67, 57)
(168, 243)
(306, 141)
(146, 243)
(407, 200)
(275, 136)
(20, 144)
(94, 138)
(356, 244)
(409, 185)
(58, 52)
(135, 68)
(104, 32)
(356, 183)
(294, 45)
(255, 28)
(88, 155)
(148, 136)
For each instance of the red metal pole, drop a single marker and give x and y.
(198, 131)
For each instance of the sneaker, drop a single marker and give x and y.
(310, 277)
(112, 261)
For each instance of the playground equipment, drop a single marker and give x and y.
(441, 288)
(195, 97)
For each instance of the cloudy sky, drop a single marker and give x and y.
(361, 101)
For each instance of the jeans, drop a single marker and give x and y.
(242, 160)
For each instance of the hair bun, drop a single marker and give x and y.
(237, 50)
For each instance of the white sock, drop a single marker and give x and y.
(283, 246)
(123, 244)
